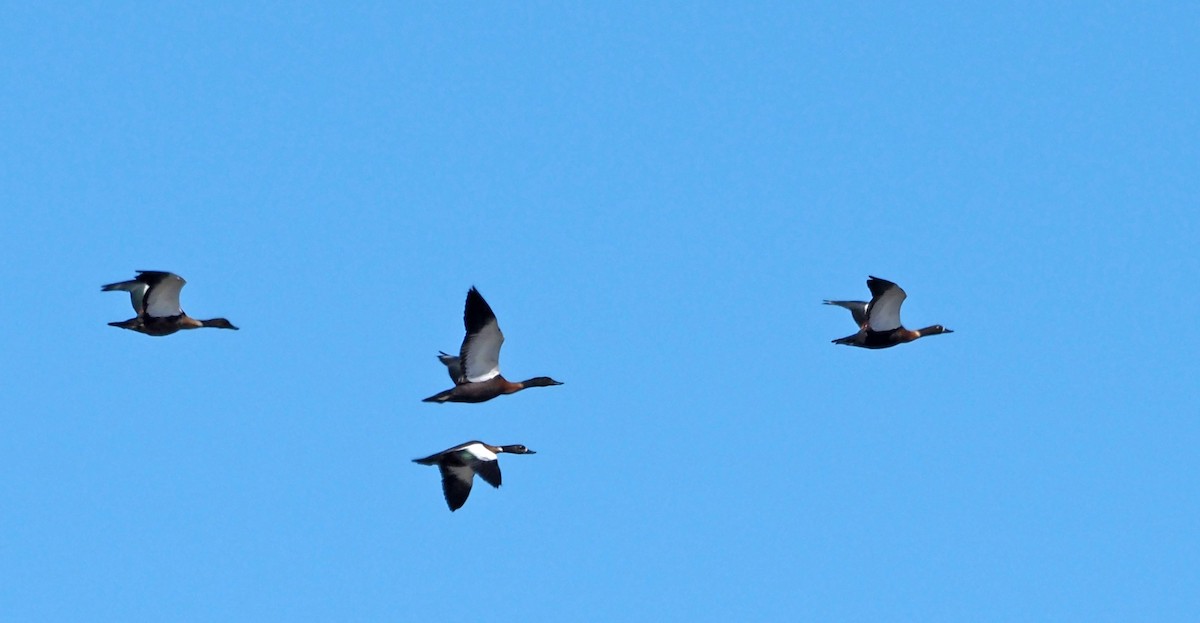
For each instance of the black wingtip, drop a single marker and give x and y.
(476, 312)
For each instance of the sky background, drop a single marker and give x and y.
(655, 199)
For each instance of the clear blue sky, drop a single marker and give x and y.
(655, 199)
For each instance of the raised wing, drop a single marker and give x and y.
(162, 298)
(452, 366)
(136, 289)
(883, 312)
(858, 310)
(480, 353)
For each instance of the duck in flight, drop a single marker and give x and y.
(879, 319)
(155, 298)
(460, 464)
(476, 369)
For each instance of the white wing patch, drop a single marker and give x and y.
(481, 452)
(480, 356)
(163, 299)
(884, 312)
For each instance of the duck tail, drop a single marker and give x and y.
(849, 340)
(439, 397)
(132, 324)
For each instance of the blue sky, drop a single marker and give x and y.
(654, 199)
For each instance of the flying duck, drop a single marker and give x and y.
(155, 298)
(476, 369)
(460, 464)
(879, 320)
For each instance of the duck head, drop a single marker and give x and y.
(218, 323)
(540, 381)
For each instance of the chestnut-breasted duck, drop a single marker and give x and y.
(879, 325)
(460, 464)
(155, 298)
(476, 369)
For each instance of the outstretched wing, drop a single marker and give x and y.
(883, 312)
(858, 310)
(452, 366)
(480, 353)
(162, 298)
(456, 484)
(135, 288)
(489, 471)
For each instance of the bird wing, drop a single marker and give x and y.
(456, 484)
(489, 471)
(162, 298)
(480, 352)
(452, 366)
(136, 289)
(858, 310)
(883, 312)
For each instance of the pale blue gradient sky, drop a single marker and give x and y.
(655, 199)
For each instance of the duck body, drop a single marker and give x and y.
(155, 298)
(486, 390)
(460, 464)
(476, 369)
(867, 338)
(157, 327)
(879, 319)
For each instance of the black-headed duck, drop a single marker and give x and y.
(460, 464)
(879, 320)
(155, 298)
(476, 370)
